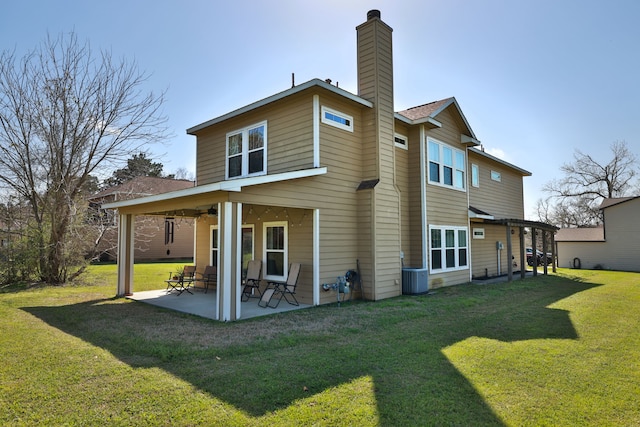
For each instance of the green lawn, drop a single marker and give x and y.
(556, 350)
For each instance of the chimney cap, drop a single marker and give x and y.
(373, 13)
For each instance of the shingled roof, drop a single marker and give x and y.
(426, 110)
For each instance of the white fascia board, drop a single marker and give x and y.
(279, 96)
(429, 120)
(231, 185)
(524, 172)
(479, 216)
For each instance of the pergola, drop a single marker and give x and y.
(548, 233)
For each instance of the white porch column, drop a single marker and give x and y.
(230, 264)
(316, 257)
(125, 254)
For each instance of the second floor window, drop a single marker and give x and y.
(246, 151)
(446, 165)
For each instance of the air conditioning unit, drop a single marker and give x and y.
(415, 281)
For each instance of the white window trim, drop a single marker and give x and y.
(496, 176)
(245, 151)
(457, 247)
(324, 110)
(285, 261)
(441, 165)
(475, 175)
(211, 228)
(404, 146)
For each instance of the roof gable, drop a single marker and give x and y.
(429, 112)
(315, 83)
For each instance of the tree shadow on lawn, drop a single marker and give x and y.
(264, 364)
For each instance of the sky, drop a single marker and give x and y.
(536, 79)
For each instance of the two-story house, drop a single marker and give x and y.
(323, 177)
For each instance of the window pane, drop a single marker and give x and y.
(247, 247)
(460, 160)
(451, 258)
(447, 156)
(462, 238)
(475, 176)
(459, 179)
(256, 138)
(214, 238)
(434, 172)
(256, 161)
(436, 259)
(448, 176)
(275, 263)
(275, 238)
(235, 166)
(450, 236)
(462, 257)
(235, 144)
(214, 247)
(436, 238)
(434, 152)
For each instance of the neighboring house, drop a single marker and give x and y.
(613, 246)
(157, 237)
(330, 179)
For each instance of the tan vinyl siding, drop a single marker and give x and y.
(622, 234)
(414, 257)
(620, 251)
(289, 138)
(404, 188)
(149, 243)
(375, 83)
(446, 206)
(484, 254)
(589, 254)
(439, 280)
(502, 199)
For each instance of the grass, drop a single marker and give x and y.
(555, 350)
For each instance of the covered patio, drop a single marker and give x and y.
(234, 222)
(204, 304)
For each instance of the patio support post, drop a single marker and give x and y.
(125, 254)
(553, 251)
(544, 251)
(534, 257)
(523, 258)
(230, 278)
(316, 257)
(509, 255)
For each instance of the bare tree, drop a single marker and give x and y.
(65, 114)
(586, 183)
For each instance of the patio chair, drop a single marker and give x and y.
(209, 277)
(277, 290)
(252, 281)
(181, 282)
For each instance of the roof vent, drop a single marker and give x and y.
(374, 13)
